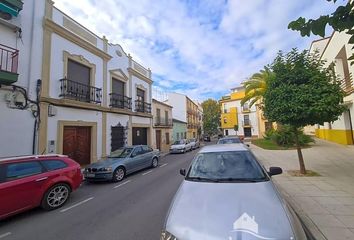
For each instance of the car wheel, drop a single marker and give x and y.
(118, 174)
(155, 162)
(56, 196)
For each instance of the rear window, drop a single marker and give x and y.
(51, 165)
(22, 169)
(229, 140)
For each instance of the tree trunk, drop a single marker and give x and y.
(299, 153)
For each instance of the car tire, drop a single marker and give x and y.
(56, 196)
(154, 162)
(118, 174)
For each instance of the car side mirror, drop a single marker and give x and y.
(182, 172)
(275, 171)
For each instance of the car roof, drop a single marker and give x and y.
(224, 148)
(25, 157)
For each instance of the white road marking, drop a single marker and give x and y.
(119, 185)
(147, 172)
(163, 164)
(77, 204)
(5, 234)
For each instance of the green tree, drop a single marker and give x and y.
(211, 116)
(302, 93)
(256, 86)
(236, 128)
(342, 19)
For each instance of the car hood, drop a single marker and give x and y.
(108, 162)
(178, 146)
(213, 211)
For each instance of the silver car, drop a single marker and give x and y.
(227, 194)
(194, 143)
(181, 146)
(121, 162)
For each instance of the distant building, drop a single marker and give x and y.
(162, 125)
(179, 129)
(335, 49)
(185, 110)
(233, 114)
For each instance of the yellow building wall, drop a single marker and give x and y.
(334, 135)
(231, 118)
(237, 95)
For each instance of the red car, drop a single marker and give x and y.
(32, 181)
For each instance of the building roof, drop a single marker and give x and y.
(179, 121)
(162, 103)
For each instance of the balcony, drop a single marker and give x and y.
(80, 92)
(163, 122)
(8, 65)
(120, 101)
(11, 8)
(347, 85)
(246, 123)
(142, 107)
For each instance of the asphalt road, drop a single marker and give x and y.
(132, 209)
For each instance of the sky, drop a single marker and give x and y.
(200, 48)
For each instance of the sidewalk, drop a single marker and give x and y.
(325, 203)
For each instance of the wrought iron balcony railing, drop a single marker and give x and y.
(120, 101)
(164, 122)
(80, 92)
(143, 107)
(8, 59)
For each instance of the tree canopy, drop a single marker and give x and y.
(342, 19)
(302, 93)
(211, 116)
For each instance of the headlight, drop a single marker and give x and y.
(167, 236)
(106, 169)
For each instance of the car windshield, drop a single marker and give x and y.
(229, 140)
(232, 166)
(121, 153)
(178, 142)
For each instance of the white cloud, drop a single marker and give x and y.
(198, 47)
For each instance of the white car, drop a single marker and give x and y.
(195, 143)
(181, 146)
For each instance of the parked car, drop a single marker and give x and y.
(228, 140)
(122, 162)
(206, 138)
(194, 143)
(181, 146)
(30, 181)
(227, 194)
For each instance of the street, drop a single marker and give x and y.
(132, 209)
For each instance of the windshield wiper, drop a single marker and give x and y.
(242, 179)
(202, 179)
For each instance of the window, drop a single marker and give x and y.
(146, 149)
(167, 138)
(118, 87)
(138, 151)
(177, 136)
(51, 165)
(166, 117)
(140, 95)
(158, 115)
(78, 72)
(246, 119)
(22, 169)
(226, 132)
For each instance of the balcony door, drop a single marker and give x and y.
(79, 77)
(118, 93)
(140, 97)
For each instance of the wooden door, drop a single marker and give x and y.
(158, 139)
(117, 137)
(77, 144)
(139, 136)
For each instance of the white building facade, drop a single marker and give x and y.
(94, 97)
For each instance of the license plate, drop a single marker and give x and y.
(90, 175)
